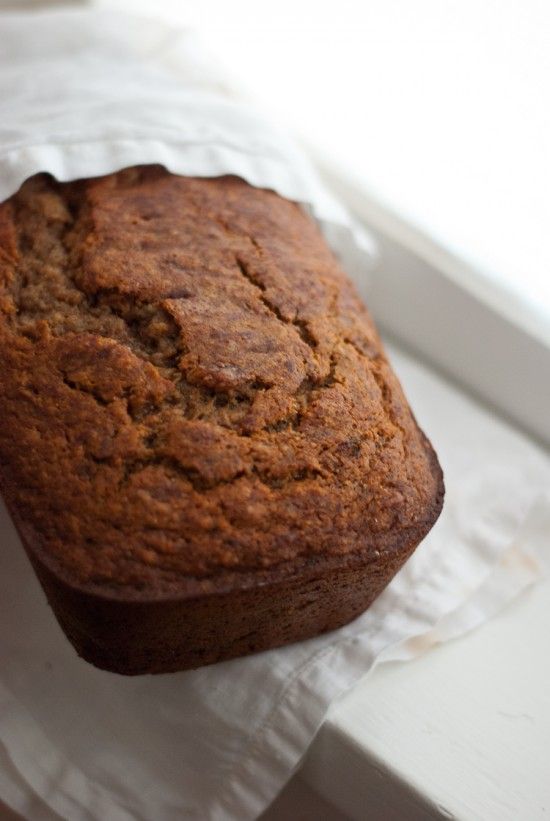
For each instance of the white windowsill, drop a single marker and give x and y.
(460, 733)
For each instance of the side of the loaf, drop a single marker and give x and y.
(133, 636)
(202, 443)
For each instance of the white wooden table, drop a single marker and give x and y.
(461, 733)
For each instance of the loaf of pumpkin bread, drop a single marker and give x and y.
(202, 445)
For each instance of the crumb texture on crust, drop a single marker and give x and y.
(190, 385)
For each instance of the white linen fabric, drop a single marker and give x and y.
(88, 92)
(84, 94)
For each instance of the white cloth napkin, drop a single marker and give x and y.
(86, 93)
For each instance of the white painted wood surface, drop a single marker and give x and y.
(451, 315)
(460, 733)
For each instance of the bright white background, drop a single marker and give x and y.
(440, 108)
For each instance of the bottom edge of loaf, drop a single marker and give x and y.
(140, 636)
(134, 638)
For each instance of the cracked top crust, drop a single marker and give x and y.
(191, 387)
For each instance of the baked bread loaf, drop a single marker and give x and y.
(202, 444)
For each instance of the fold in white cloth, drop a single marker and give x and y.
(84, 94)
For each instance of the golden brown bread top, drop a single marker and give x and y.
(190, 385)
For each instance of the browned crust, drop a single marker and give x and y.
(200, 425)
(132, 636)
